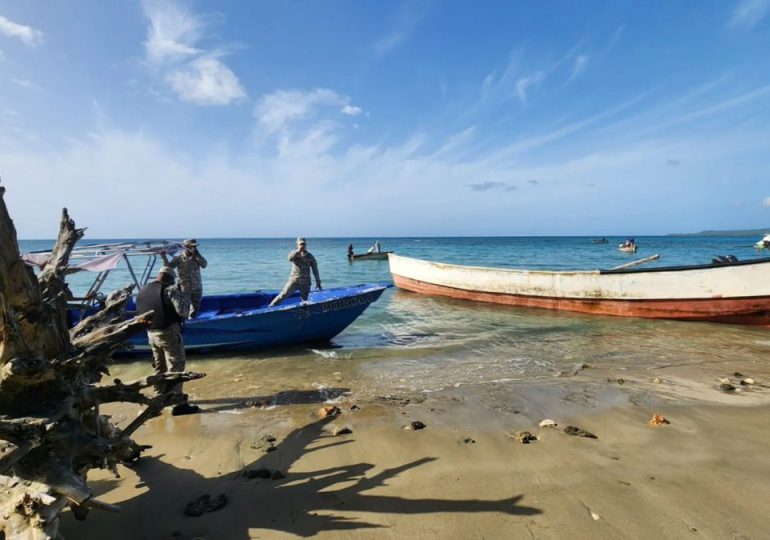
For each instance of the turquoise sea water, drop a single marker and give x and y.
(423, 343)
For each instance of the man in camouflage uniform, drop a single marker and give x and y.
(170, 306)
(302, 261)
(189, 264)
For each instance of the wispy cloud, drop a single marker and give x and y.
(766, 202)
(579, 65)
(277, 110)
(613, 40)
(672, 162)
(194, 74)
(523, 85)
(514, 81)
(172, 33)
(749, 13)
(24, 83)
(407, 19)
(533, 181)
(28, 35)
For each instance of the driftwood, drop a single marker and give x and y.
(51, 432)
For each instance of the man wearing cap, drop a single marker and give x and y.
(189, 264)
(302, 261)
(170, 306)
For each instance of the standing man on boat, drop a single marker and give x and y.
(302, 261)
(170, 306)
(189, 264)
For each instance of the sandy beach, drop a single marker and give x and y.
(464, 475)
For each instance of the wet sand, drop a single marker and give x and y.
(705, 475)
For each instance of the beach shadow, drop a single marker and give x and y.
(301, 503)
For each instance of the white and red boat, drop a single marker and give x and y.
(736, 292)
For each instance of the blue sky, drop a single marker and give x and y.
(385, 118)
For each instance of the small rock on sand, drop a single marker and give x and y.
(747, 381)
(727, 387)
(265, 443)
(577, 432)
(657, 380)
(547, 423)
(205, 503)
(261, 403)
(658, 420)
(415, 425)
(342, 430)
(263, 474)
(329, 410)
(524, 437)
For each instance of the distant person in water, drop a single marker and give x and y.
(350, 251)
(189, 264)
(302, 262)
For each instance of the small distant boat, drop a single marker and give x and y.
(628, 248)
(374, 256)
(731, 292)
(764, 243)
(600, 241)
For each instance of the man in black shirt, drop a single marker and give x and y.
(170, 306)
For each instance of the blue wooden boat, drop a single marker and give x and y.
(227, 321)
(246, 321)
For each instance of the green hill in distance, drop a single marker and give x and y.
(748, 232)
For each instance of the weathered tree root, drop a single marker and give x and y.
(51, 431)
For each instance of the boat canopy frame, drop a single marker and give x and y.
(104, 258)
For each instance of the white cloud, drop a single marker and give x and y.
(173, 32)
(206, 81)
(194, 74)
(749, 13)
(351, 110)
(275, 111)
(28, 35)
(766, 202)
(24, 83)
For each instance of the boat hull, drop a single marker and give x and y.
(326, 314)
(610, 293)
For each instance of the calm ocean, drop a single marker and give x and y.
(422, 343)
